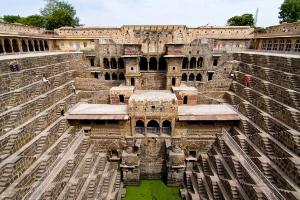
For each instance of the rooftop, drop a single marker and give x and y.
(207, 112)
(33, 54)
(99, 112)
(153, 95)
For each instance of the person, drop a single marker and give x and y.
(247, 80)
(45, 80)
(14, 66)
(62, 110)
(73, 88)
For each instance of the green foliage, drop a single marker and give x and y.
(152, 189)
(243, 20)
(54, 15)
(58, 14)
(260, 30)
(33, 20)
(11, 18)
(289, 11)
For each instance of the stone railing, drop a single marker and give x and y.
(263, 182)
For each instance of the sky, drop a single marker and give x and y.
(192, 13)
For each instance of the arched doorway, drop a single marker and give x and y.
(191, 77)
(105, 63)
(113, 63)
(41, 45)
(193, 63)
(30, 46)
(184, 77)
(162, 64)
(153, 63)
(114, 76)
(7, 46)
(107, 76)
(199, 77)
(139, 126)
(200, 62)
(153, 127)
(166, 127)
(1, 48)
(143, 64)
(121, 64)
(15, 45)
(36, 46)
(24, 46)
(121, 76)
(46, 45)
(185, 63)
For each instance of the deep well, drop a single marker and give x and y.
(172, 110)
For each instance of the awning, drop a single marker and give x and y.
(207, 112)
(209, 118)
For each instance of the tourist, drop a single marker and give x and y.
(247, 80)
(45, 80)
(62, 110)
(14, 66)
(73, 88)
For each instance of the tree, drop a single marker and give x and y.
(58, 14)
(11, 18)
(289, 11)
(34, 20)
(243, 20)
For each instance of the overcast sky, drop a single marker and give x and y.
(187, 12)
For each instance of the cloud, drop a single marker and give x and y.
(188, 12)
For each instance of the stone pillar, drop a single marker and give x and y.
(20, 45)
(2, 42)
(11, 46)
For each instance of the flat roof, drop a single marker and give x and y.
(287, 55)
(99, 112)
(184, 87)
(153, 95)
(122, 87)
(32, 54)
(207, 112)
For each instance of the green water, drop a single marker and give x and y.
(152, 190)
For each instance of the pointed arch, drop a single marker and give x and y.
(121, 64)
(199, 77)
(193, 63)
(41, 45)
(191, 77)
(107, 76)
(7, 46)
(185, 63)
(106, 63)
(30, 45)
(15, 45)
(143, 64)
(162, 64)
(184, 77)
(153, 63)
(121, 76)
(114, 76)
(24, 46)
(200, 62)
(113, 63)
